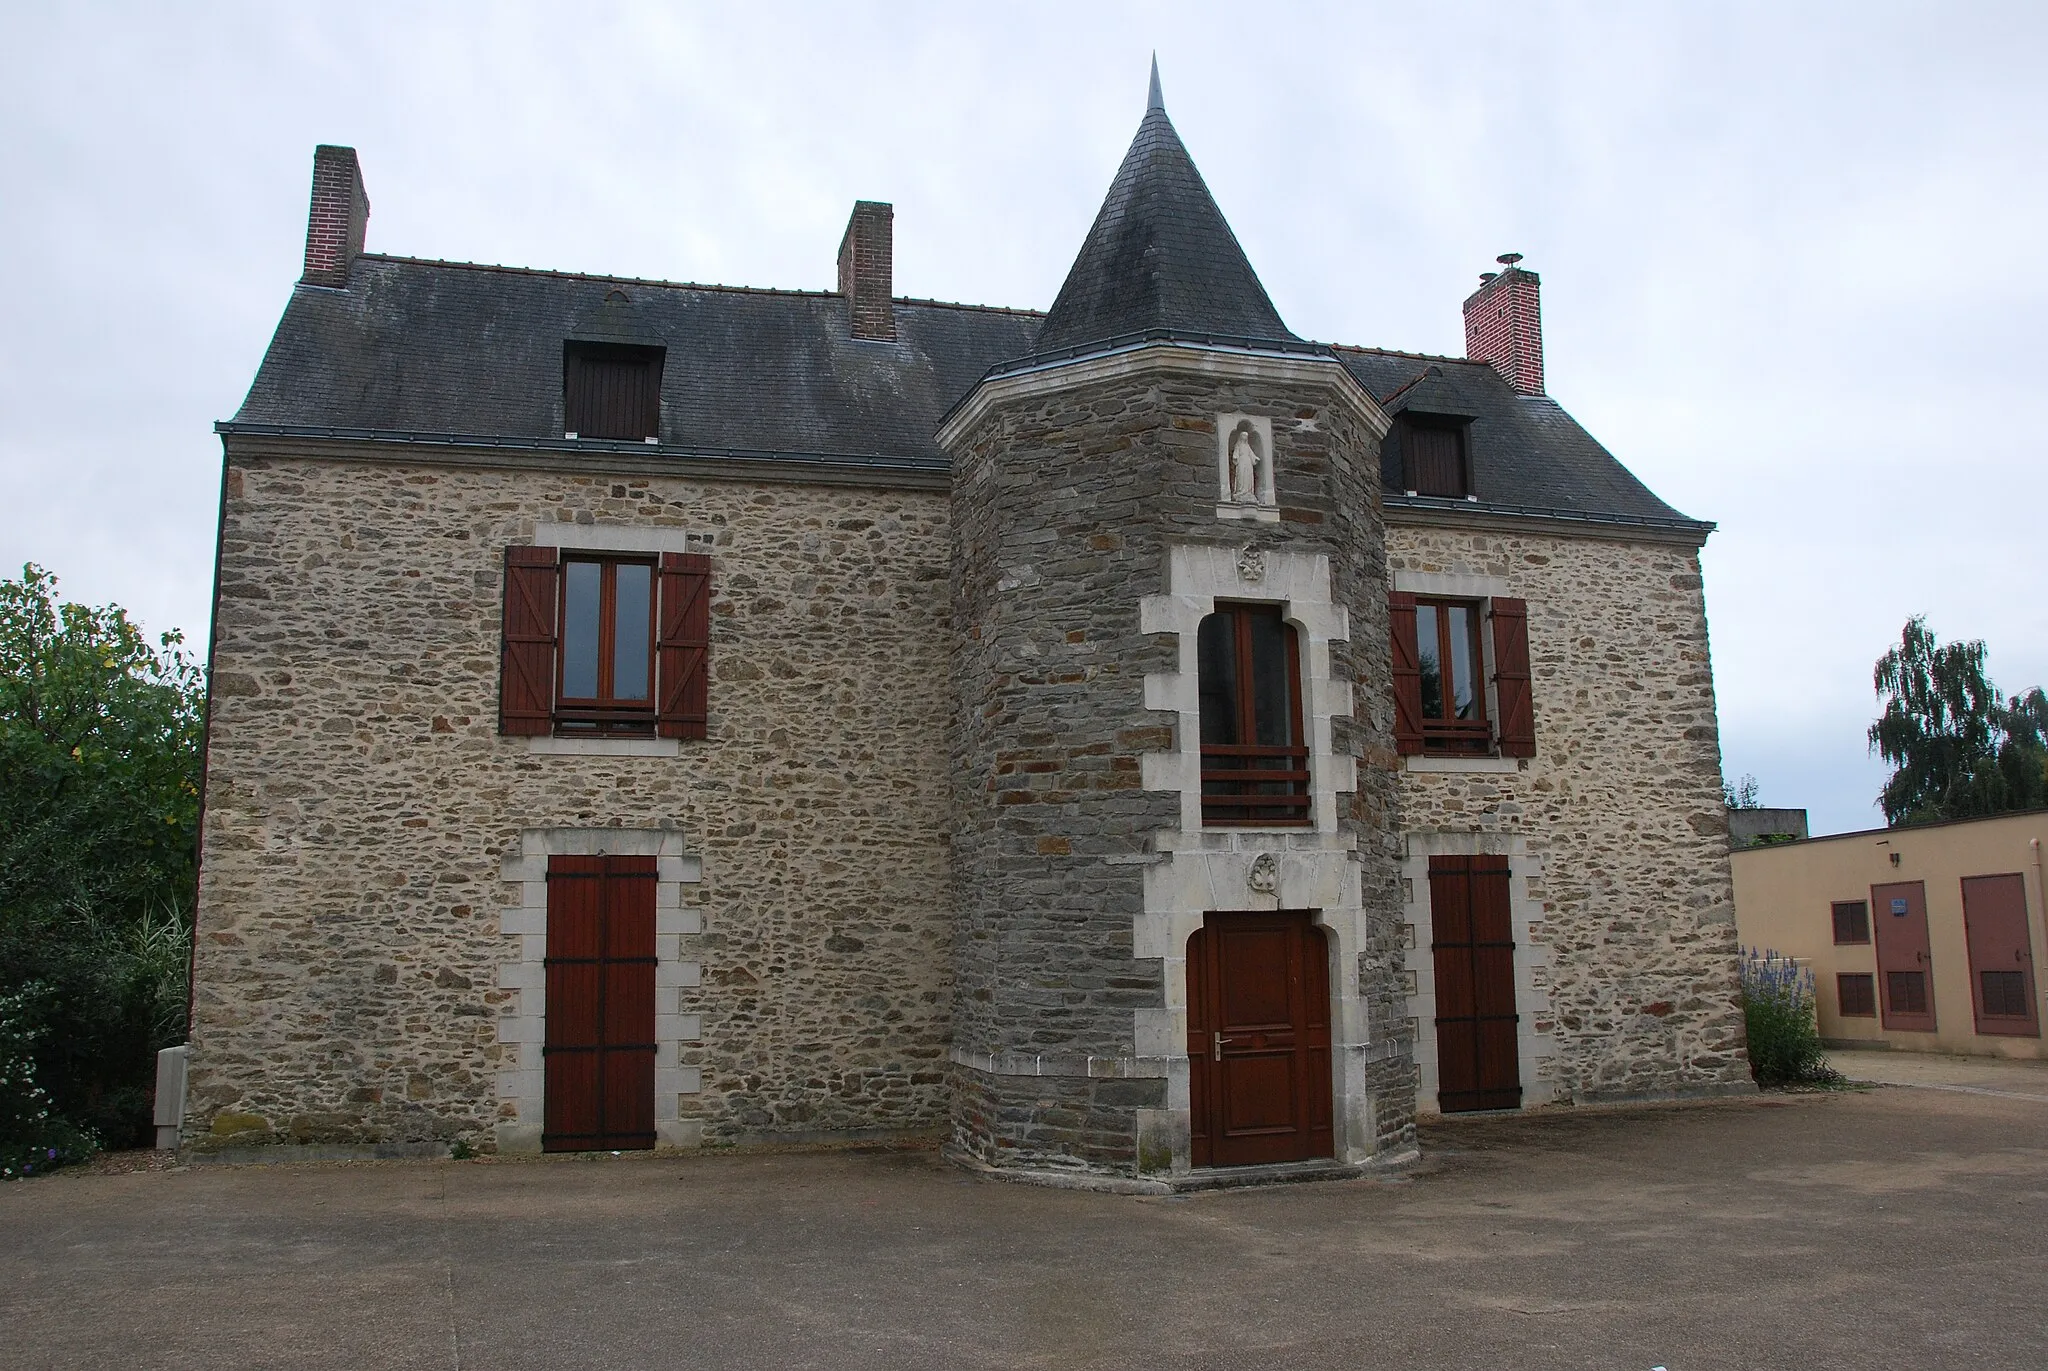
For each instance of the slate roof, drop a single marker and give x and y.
(443, 351)
(1526, 452)
(452, 349)
(1159, 256)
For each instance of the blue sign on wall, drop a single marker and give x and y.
(1899, 906)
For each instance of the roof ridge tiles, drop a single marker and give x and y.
(662, 283)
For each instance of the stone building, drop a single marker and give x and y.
(1128, 740)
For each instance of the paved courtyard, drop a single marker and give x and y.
(1898, 1226)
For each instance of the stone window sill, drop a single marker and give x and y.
(1466, 765)
(605, 747)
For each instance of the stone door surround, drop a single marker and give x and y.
(522, 1028)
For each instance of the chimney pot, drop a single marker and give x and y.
(1504, 324)
(867, 271)
(335, 222)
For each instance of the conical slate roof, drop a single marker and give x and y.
(1160, 255)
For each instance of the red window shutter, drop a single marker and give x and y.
(1407, 674)
(685, 645)
(526, 675)
(1511, 677)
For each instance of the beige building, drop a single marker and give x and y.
(1921, 939)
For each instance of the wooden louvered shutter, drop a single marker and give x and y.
(1511, 677)
(1407, 674)
(685, 645)
(526, 673)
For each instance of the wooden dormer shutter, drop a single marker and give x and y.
(526, 672)
(1407, 674)
(684, 646)
(1511, 688)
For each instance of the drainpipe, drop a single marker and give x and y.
(2041, 885)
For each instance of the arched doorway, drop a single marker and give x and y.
(1259, 1040)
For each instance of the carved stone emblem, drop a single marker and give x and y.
(1264, 874)
(1251, 563)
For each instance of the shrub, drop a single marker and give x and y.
(99, 808)
(1784, 1036)
(32, 1139)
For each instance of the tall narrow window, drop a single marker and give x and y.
(1453, 684)
(611, 390)
(607, 652)
(1254, 761)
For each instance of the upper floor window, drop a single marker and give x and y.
(1433, 458)
(1451, 662)
(1852, 921)
(605, 644)
(1460, 690)
(1254, 759)
(611, 390)
(606, 660)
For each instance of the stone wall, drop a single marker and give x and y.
(361, 807)
(1616, 826)
(1072, 495)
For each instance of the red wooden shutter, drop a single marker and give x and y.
(526, 675)
(1407, 674)
(1511, 677)
(685, 645)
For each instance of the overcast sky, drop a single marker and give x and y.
(1791, 255)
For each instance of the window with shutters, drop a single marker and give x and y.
(1856, 993)
(605, 659)
(1254, 756)
(1461, 676)
(1852, 922)
(611, 390)
(1433, 458)
(604, 645)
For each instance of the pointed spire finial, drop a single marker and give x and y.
(1153, 99)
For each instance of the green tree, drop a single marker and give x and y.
(1957, 750)
(100, 735)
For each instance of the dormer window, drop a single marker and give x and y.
(1433, 457)
(611, 390)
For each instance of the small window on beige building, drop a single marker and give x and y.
(1856, 994)
(1852, 923)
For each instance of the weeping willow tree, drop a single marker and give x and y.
(1957, 749)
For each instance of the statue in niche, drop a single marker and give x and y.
(1245, 461)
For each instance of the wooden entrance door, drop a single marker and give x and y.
(599, 1052)
(1259, 1040)
(1472, 942)
(1905, 962)
(2001, 955)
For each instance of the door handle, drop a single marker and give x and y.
(1217, 1046)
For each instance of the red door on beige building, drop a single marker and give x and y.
(2001, 955)
(1905, 961)
(598, 1054)
(1472, 946)
(1259, 1040)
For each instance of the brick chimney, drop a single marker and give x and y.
(867, 270)
(1504, 324)
(340, 212)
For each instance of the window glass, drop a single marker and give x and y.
(1216, 652)
(1463, 689)
(580, 599)
(1432, 664)
(629, 641)
(1272, 694)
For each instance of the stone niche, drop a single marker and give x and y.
(1087, 546)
